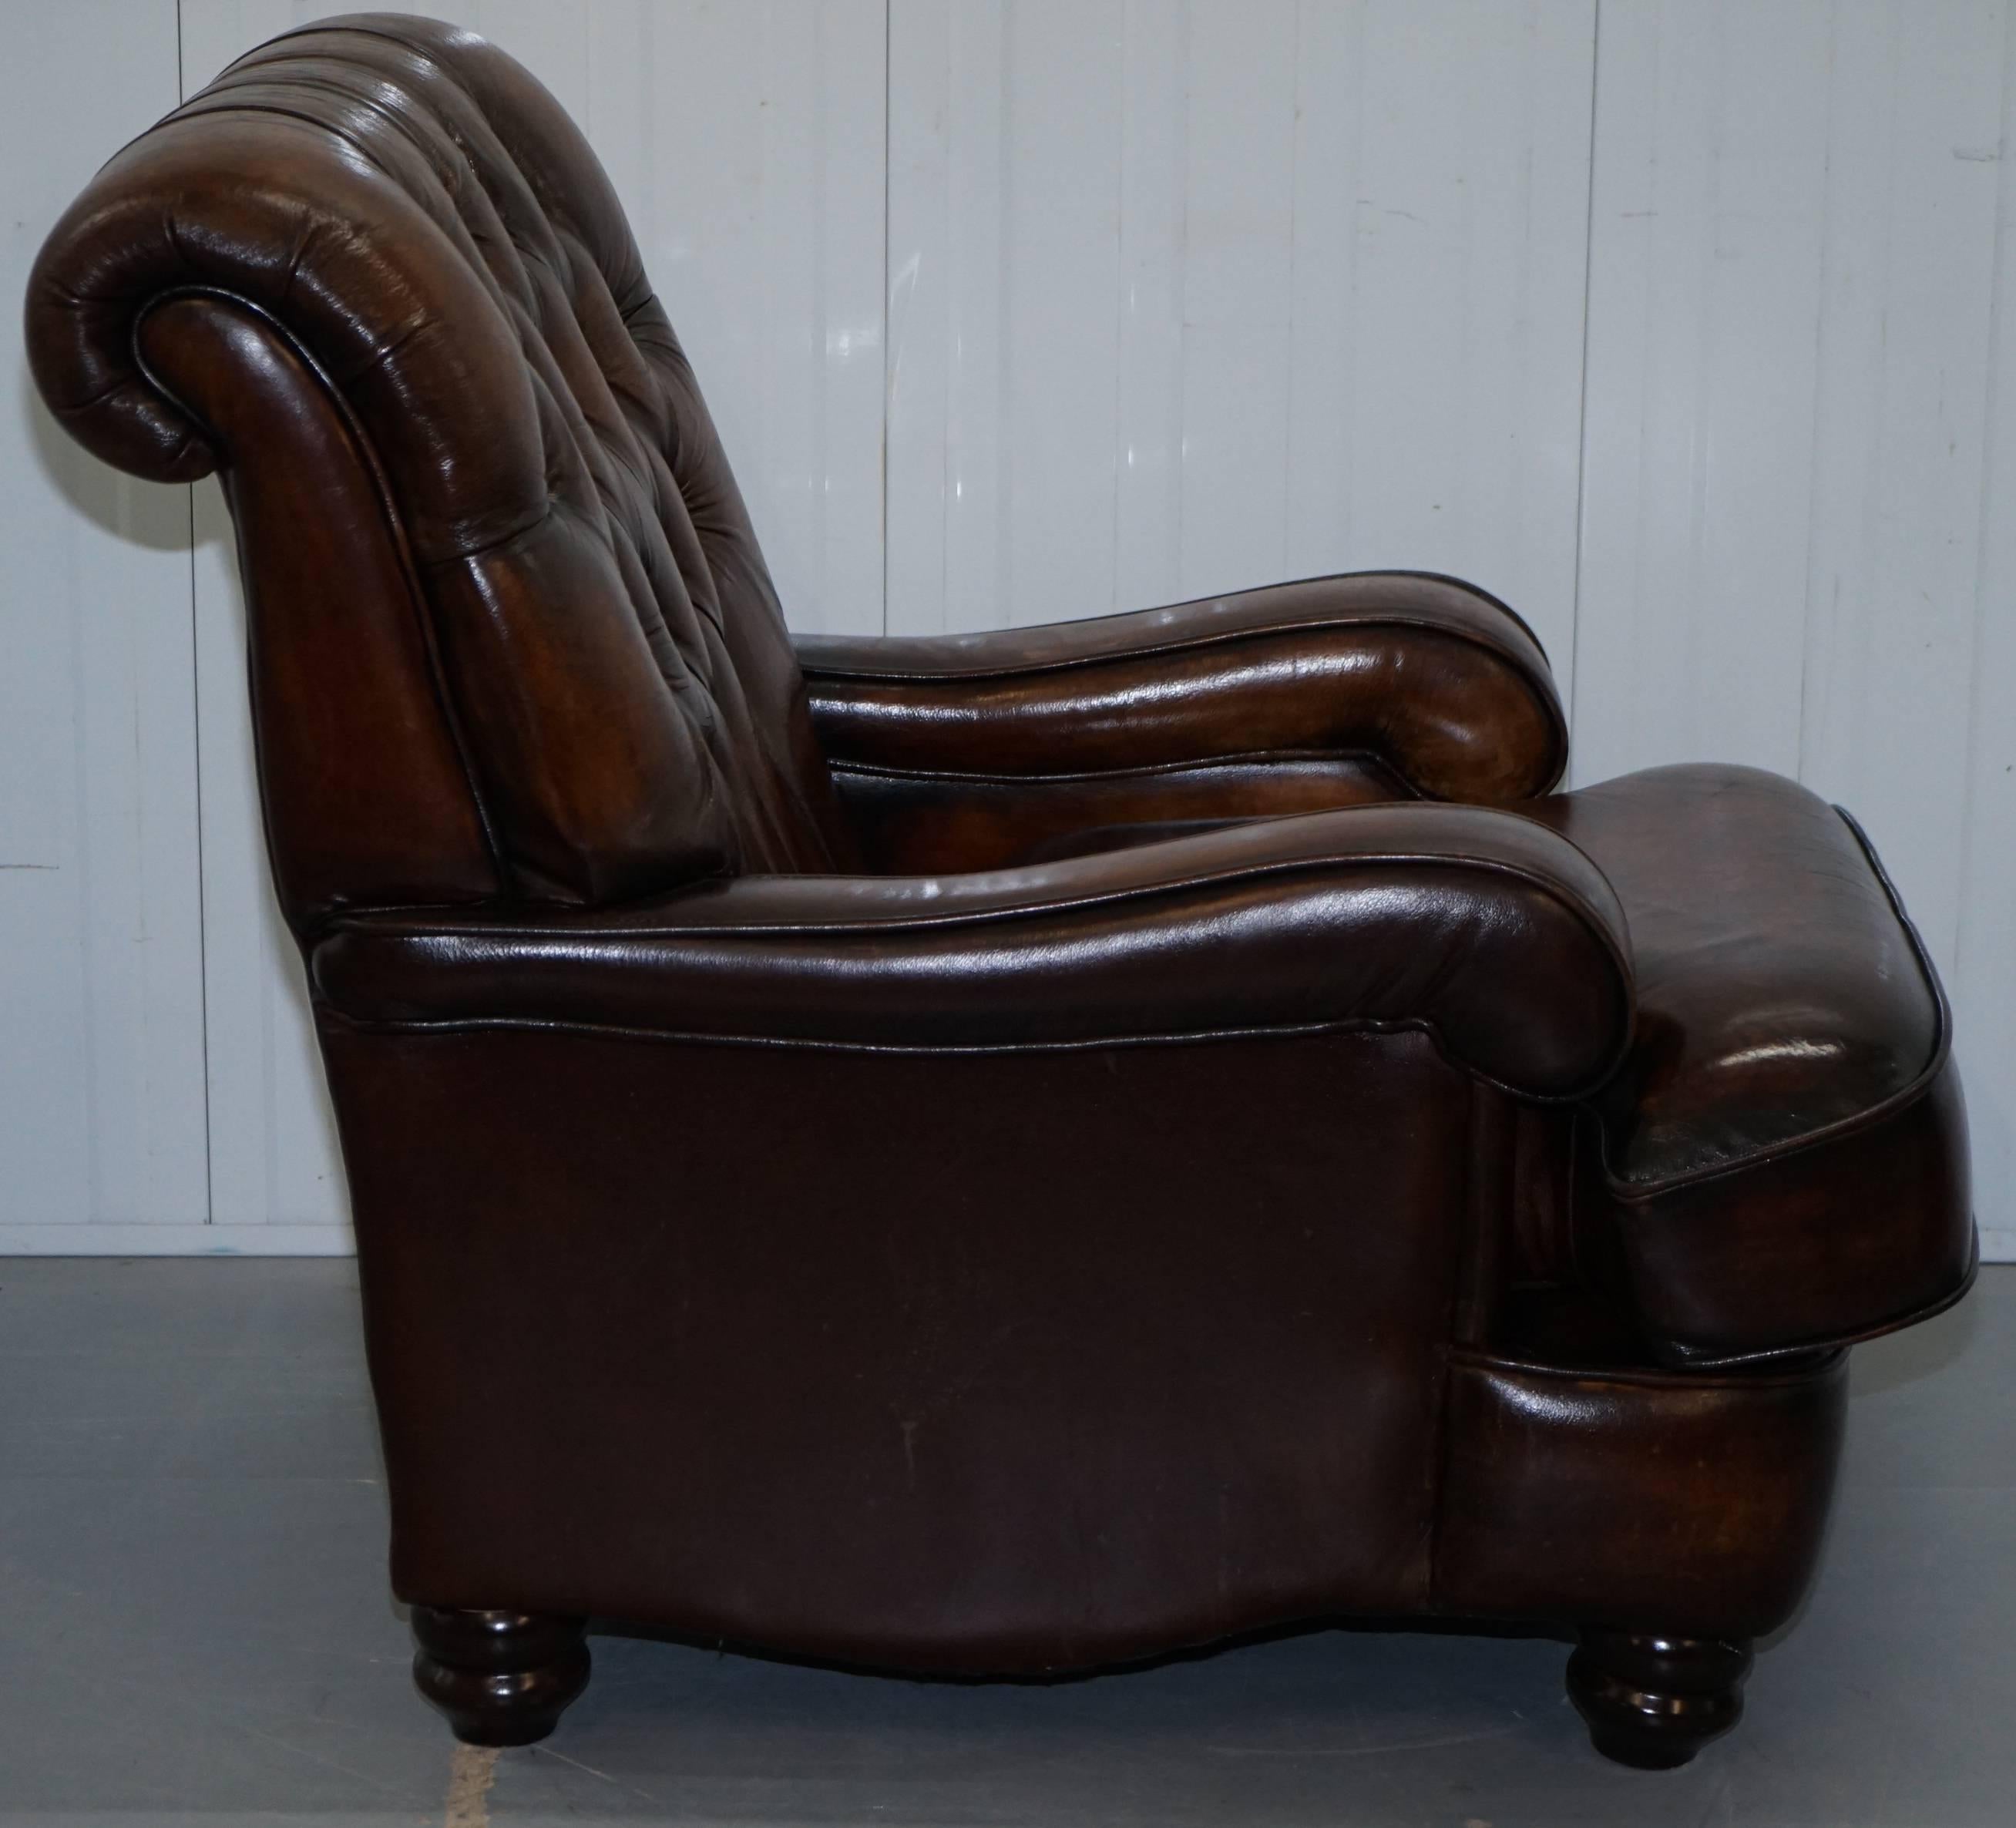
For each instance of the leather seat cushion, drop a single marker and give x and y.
(1783, 1157)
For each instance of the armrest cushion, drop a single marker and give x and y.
(1440, 682)
(1482, 927)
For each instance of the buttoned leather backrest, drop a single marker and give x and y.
(512, 635)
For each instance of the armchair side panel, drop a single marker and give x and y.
(980, 1362)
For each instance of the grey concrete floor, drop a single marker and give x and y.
(195, 1627)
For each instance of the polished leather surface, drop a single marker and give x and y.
(1321, 693)
(363, 772)
(1780, 992)
(978, 1362)
(1867, 1232)
(1547, 1462)
(997, 1154)
(1784, 1152)
(1484, 930)
(918, 824)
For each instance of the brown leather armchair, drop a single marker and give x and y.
(995, 1155)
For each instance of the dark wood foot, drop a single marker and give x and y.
(1654, 1701)
(503, 1679)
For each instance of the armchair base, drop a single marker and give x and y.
(1650, 1700)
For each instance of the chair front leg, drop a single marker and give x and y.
(1652, 1701)
(503, 1679)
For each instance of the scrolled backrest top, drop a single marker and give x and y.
(433, 250)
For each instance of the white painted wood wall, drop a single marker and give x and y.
(1689, 325)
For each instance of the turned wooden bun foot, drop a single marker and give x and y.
(1652, 1701)
(503, 1679)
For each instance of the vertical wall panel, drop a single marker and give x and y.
(1984, 975)
(1703, 295)
(1185, 297)
(946, 274)
(101, 968)
(745, 144)
(1150, 404)
(1904, 348)
(1441, 211)
(1004, 274)
(1240, 193)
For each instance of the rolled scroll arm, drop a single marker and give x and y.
(966, 750)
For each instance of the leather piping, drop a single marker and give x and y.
(814, 669)
(1365, 758)
(1821, 1362)
(1349, 1025)
(1178, 644)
